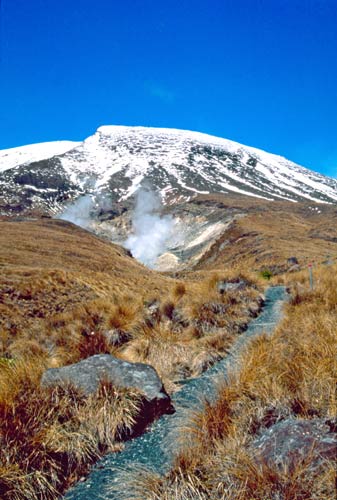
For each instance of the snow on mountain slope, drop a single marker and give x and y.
(179, 164)
(12, 157)
(192, 162)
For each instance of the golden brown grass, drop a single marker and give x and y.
(62, 290)
(188, 332)
(270, 233)
(292, 373)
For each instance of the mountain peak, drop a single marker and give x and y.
(179, 164)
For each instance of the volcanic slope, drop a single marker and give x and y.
(266, 235)
(221, 231)
(116, 160)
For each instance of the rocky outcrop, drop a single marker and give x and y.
(87, 375)
(292, 442)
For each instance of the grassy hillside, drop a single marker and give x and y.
(268, 233)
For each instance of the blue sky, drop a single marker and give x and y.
(260, 72)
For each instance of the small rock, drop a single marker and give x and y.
(203, 361)
(215, 307)
(117, 337)
(231, 286)
(293, 441)
(292, 261)
(152, 314)
(179, 319)
(153, 307)
(88, 374)
(254, 309)
(293, 269)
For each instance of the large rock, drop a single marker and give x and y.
(294, 441)
(87, 375)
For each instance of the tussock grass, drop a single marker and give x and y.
(184, 334)
(179, 290)
(140, 481)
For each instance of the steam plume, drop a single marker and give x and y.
(79, 212)
(151, 230)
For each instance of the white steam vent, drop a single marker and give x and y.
(79, 212)
(151, 230)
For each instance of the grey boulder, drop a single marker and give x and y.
(293, 441)
(86, 376)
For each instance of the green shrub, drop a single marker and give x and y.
(266, 274)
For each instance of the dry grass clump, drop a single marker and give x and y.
(49, 438)
(143, 483)
(185, 334)
(255, 483)
(179, 290)
(290, 374)
(84, 331)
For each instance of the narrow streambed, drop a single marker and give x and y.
(155, 449)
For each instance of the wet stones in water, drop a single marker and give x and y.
(87, 375)
(294, 441)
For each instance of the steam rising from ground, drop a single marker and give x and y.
(79, 212)
(151, 230)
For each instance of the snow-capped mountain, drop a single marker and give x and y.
(116, 160)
